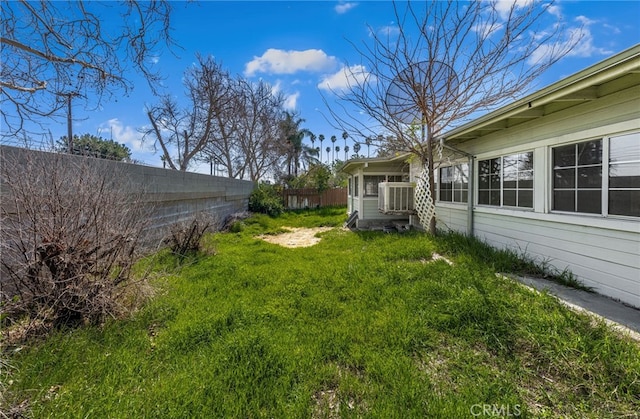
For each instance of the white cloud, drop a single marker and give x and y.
(389, 30)
(115, 130)
(342, 8)
(345, 78)
(578, 40)
(276, 87)
(291, 101)
(503, 7)
(585, 20)
(614, 30)
(555, 10)
(277, 61)
(485, 30)
(586, 47)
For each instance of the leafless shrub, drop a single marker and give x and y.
(234, 219)
(71, 232)
(186, 237)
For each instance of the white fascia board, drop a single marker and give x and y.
(623, 63)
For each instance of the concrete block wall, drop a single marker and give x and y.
(171, 196)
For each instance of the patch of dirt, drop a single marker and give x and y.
(326, 404)
(296, 237)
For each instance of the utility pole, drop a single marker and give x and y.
(69, 124)
(69, 96)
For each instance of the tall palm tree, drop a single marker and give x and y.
(328, 150)
(337, 151)
(356, 149)
(367, 141)
(297, 153)
(333, 141)
(344, 137)
(312, 137)
(346, 153)
(321, 138)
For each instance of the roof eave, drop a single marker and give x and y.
(353, 163)
(626, 61)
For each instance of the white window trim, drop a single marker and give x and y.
(436, 179)
(626, 224)
(385, 174)
(502, 206)
(605, 179)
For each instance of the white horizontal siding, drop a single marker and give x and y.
(450, 217)
(371, 212)
(603, 253)
(607, 260)
(351, 204)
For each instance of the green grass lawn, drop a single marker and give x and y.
(359, 325)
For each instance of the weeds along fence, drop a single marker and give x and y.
(310, 198)
(169, 196)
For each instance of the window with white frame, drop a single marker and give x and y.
(371, 183)
(506, 181)
(453, 183)
(577, 177)
(624, 175)
(599, 176)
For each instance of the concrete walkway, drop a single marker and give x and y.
(620, 316)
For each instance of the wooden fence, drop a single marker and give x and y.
(310, 198)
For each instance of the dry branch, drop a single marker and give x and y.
(70, 237)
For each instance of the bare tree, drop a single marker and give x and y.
(448, 62)
(224, 145)
(259, 132)
(187, 131)
(70, 236)
(54, 51)
(228, 120)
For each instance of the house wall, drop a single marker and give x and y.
(452, 217)
(602, 252)
(367, 206)
(603, 257)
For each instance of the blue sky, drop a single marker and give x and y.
(299, 46)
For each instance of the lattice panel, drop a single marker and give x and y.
(439, 149)
(424, 202)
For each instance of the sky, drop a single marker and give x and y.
(300, 47)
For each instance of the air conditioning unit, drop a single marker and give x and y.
(396, 198)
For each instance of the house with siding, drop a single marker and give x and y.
(555, 175)
(366, 176)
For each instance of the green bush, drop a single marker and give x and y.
(266, 199)
(237, 227)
